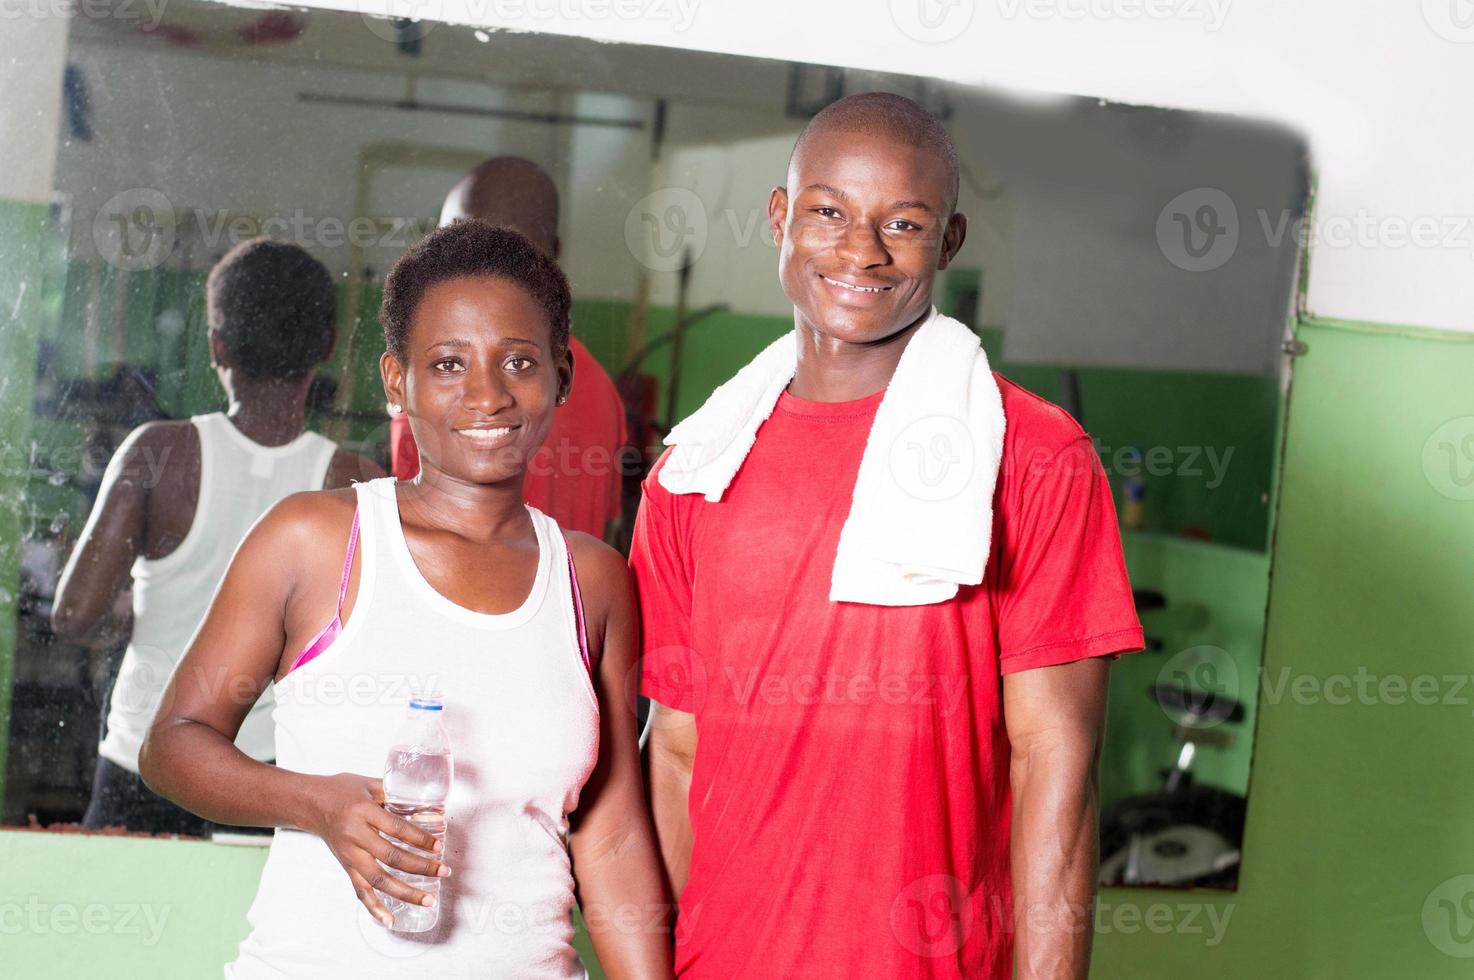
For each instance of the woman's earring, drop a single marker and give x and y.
(562, 399)
(394, 408)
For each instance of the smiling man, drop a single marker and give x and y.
(905, 787)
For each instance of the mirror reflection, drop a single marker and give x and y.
(234, 186)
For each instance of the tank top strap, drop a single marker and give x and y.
(302, 463)
(207, 429)
(375, 519)
(565, 598)
(578, 614)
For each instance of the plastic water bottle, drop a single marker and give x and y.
(417, 777)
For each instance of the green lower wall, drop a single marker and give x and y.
(1212, 632)
(23, 247)
(1207, 442)
(85, 906)
(1359, 813)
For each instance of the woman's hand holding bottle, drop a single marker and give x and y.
(348, 814)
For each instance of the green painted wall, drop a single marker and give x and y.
(1208, 440)
(1212, 632)
(94, 907)
(1359, 851)
(157, 908)
(23, 248)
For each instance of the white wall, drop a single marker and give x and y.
(1383, 90)
(224, 138)
(32, 54)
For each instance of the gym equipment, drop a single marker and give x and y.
(1185, 834)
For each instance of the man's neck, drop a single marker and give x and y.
(831, 370)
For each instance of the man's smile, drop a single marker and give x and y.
(855, 287)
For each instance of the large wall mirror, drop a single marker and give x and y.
(1135, 265)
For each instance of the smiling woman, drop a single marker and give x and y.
(489, 387)
(450, 564)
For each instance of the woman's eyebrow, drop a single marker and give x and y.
(459, 344)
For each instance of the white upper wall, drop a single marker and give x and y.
(32, 55)
(1383, 91)
(225, 141)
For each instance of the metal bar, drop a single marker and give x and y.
(450, 108)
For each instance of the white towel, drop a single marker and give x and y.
(921, 519)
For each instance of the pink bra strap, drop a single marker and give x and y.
(583, 638)
(329, 633)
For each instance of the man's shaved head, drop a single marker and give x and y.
(884, 114)
(866, 220)
(509, 191)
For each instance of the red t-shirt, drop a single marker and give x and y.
(850, 796)
(574, 477)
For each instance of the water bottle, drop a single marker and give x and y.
(417, 777)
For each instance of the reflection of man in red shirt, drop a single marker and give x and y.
(574, 478)
(851, 790)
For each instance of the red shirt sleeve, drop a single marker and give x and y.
(404, 455)
(1063, 593)
(615, 508)
(659, 563)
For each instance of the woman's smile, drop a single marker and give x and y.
(487, 437)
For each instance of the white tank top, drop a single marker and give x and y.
(239, 481)
(523, 722)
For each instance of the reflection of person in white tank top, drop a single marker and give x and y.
(352, 601)
(179, 496)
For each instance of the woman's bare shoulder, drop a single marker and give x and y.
(601, 569)
(306, 520)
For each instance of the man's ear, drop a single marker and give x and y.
(952, 239)
(392, 374)
(777, 213)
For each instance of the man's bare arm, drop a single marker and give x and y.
(1055, 718)
(670, 754)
